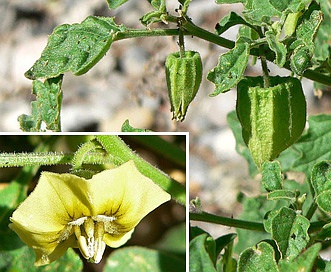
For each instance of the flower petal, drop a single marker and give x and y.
(126, 194)
(117, 241)
(56, 200)
(40, 220)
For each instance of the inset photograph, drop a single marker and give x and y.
(93, 202)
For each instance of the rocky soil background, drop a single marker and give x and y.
(129, 83)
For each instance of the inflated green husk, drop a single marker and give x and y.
(184, 75)
(272, 118)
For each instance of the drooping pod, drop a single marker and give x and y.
(272, 118)
(184, 75)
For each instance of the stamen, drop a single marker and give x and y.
(103, 218)
(100, 245)
(89, 232)
(78, 222)
(82, 245)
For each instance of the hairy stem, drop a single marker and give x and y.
(49, 158)
(190, 29)
(211, 218)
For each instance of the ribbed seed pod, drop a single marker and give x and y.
(272, 118)
(184, 75)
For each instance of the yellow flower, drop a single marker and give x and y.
(65, 211)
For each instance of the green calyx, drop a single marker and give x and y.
(184, 75)
(272, 118)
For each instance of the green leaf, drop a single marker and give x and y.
(202, 254)
(321, 182)
(258, 258)
(76, 48)
(324, 233)
(22, 259)
(267, 220)
(291, 23)
(307, 29)
(126, 127)
(241, 147)
(230, 68)
(259, 12)
(112, 4)
(322, 40)
(46, 108)
(157, 15)
(304, 262)
(282, 194)
(273, 39)
(254, 209)
(323, 200)
(226, 263)
(304, 44)
(321, 177)
(312, 147)
(140, 259)
(228, 21)
(223, 241)
(272, 176)
(290, 231)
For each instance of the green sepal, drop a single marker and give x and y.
(184, 75)
(272, 118)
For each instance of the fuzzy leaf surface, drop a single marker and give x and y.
(303, 47)
(46, 108)
(273, 39)
(259, 12)
(76, 48)
(311, 148)
(230, 68)
(290, 231)
(272, 176)
(304, 262)
(258, 258)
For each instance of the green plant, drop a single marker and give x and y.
(289, 220)
(78, 47)
(105, 190)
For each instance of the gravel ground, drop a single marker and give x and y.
(129, 83)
